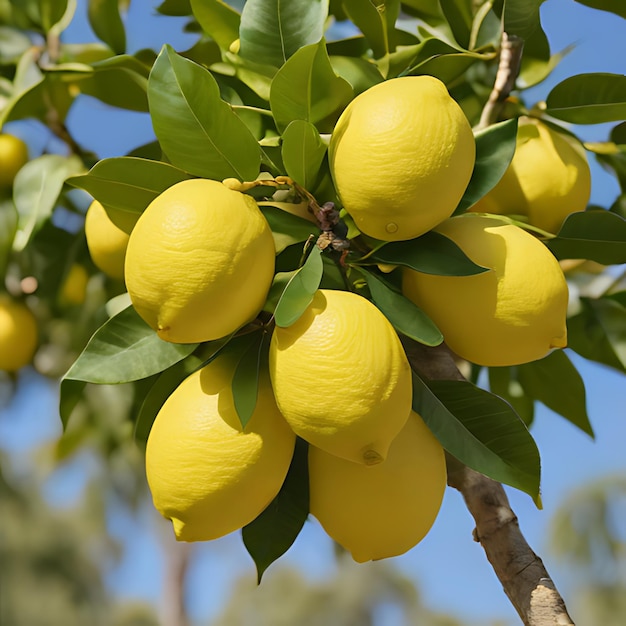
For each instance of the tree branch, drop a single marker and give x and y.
(521, 572)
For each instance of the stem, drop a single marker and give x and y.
(511, 48)
(524, 578)
(245, 107)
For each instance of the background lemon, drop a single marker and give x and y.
(18, 334)
(106, 240)
(341, 378)
(74, 286)
(200, 261)
(13, 156)
(510, 315)
(206, 473)
(380, 511)
(547, 179)
(401, 156)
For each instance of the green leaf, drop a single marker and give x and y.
(8, 228)
(359, 73)
(178, 8)
(554, 381)
(614, 6)
(432, 253)
(306, 88)
(245, 383)
(271, 31)
(480, 430)
(124, 349)
(520, 17)
(197, 130)
(218, 20)
(273, 532)
(504, 383)
(128, 184)
(589, 99)
(376, 21)
(495, 146)
(36, 190)
(13, 44)
(105, 21)
(405, 316)
(459, 15)
(287, 229)
(300, 289)
(598, 332)
(53, 11)
(303, 152)
(597, 235)
(70, 394)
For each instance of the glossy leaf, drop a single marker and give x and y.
(306, 88)
(124, 349)
(495, 146)
(554, 381)
(303, 152)
(273, 532)
(105, 21)
(406, 317)
(589, 99)
(299, 291)
(376, 21)
(459, 15)
(218, 20)
(504, 383)
(197, 130)
(287, 229)
(520, 17)
(598, 332)
(432, 253)
(36, 191)
(596, 235)
(480, 430)
(128, 183)
(271, 30)
(614, 6)
(245, 383)
(359, 73)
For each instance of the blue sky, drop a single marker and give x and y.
(451, 569)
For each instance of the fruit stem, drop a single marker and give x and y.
(511, 48)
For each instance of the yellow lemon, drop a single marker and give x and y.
(18, 334)
(200, 261)
(514, 313)
(107, 240)
(380, 511)
(206, 473)
(13, 156)
(401, 156)
(74, 286)
(341, 377)
(548, 178)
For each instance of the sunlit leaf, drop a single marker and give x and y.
(271, 30)
(300, 289)
(197, 130)
(376, 21)
(303, 152)
(273, 532)
(589, 99)
(480, 430)
(218, 20)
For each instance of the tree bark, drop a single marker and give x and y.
(524, 578)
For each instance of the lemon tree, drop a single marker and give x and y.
(349, 204)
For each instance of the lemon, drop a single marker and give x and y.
(206, 473)
(200, 261)
(13, 156)
(18, 334)
(341, 378)
(514, 313)
(548, 178)
(385, 510)
(74, 286)
(401, 156)
(106, 240)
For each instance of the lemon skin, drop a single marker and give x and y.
(341, 377)
(512, 314)
(18, 334)
(547, 180)
(401, 156)
(200, 262)
(74, 286)
(206, 473)
(107, 240)
(13, 156)
(385, 510)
